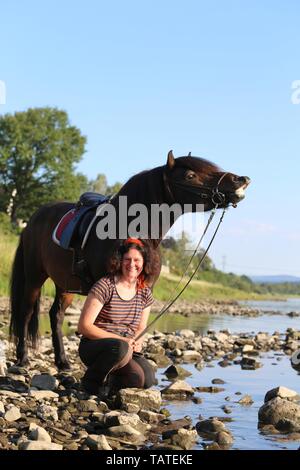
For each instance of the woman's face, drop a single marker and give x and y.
(132, 264)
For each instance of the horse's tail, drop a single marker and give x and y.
(17, 291)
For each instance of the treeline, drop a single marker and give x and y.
(176, 256)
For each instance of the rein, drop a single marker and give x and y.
(216, 196)
(166, 308)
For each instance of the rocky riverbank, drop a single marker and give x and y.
(182, 307)
(43, 409)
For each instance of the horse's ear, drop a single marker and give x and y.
(171, 160)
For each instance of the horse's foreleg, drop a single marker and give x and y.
(28, 323)
(57, 311)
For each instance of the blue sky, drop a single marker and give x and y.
(141, 78)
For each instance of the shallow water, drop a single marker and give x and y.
(275, 371)
(235, 324)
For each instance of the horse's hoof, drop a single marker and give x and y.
(22, 362)
(63, 365)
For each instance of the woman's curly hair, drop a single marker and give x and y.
(151, 257)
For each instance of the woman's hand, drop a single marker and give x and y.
(138, 345)
(130, 341)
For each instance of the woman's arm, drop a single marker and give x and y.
(142, 326)
(86, 327)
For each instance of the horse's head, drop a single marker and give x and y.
(194, 180)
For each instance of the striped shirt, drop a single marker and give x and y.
(119, 316)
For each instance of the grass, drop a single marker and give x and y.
(8, 245)
(201, 290)
(197, 290)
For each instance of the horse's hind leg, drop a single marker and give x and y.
(61, 303)
(28, 324)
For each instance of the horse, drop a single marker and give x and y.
(183, 180)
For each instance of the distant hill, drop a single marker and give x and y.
(275, 279)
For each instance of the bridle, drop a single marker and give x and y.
(214, 194)
(217, 198)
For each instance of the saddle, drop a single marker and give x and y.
(73, 229)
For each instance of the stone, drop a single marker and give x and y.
(184, 438)
(11, 385)
(151, 417)
(226, 409)
(43, 394)
(224, 439)
(186, 333)
(210, 426)
(278, 409)
(47, 412)
(117, 418)
(178, 389)
(12, 414)
(87, 406)
(145, 399)
(168, 428)
(175, 371)
(220, 337)
(210, 389)
(281, 392)
(191, 356)
(246, 400)
(127, 433)
(39, 445)
(37, 433)
(131, 408)
(44, 382)
(161, 360)
(97, 442)
(249, 363)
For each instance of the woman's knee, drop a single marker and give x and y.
(149, 378)
(120, 350)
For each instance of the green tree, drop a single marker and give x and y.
(177, 253)
(38, 152)
(99, 185)
(114, 189)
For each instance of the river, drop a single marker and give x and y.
(276, 370)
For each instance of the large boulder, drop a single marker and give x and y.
(281, 413)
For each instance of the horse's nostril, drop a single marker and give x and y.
(242, 179)
(246, 179)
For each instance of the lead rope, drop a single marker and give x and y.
(213, 212)
(166, 308)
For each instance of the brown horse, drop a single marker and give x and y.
(184, 180)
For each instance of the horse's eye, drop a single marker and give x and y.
(190, 175)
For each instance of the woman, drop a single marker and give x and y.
(115, 312)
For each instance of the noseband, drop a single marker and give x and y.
(217, 197)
